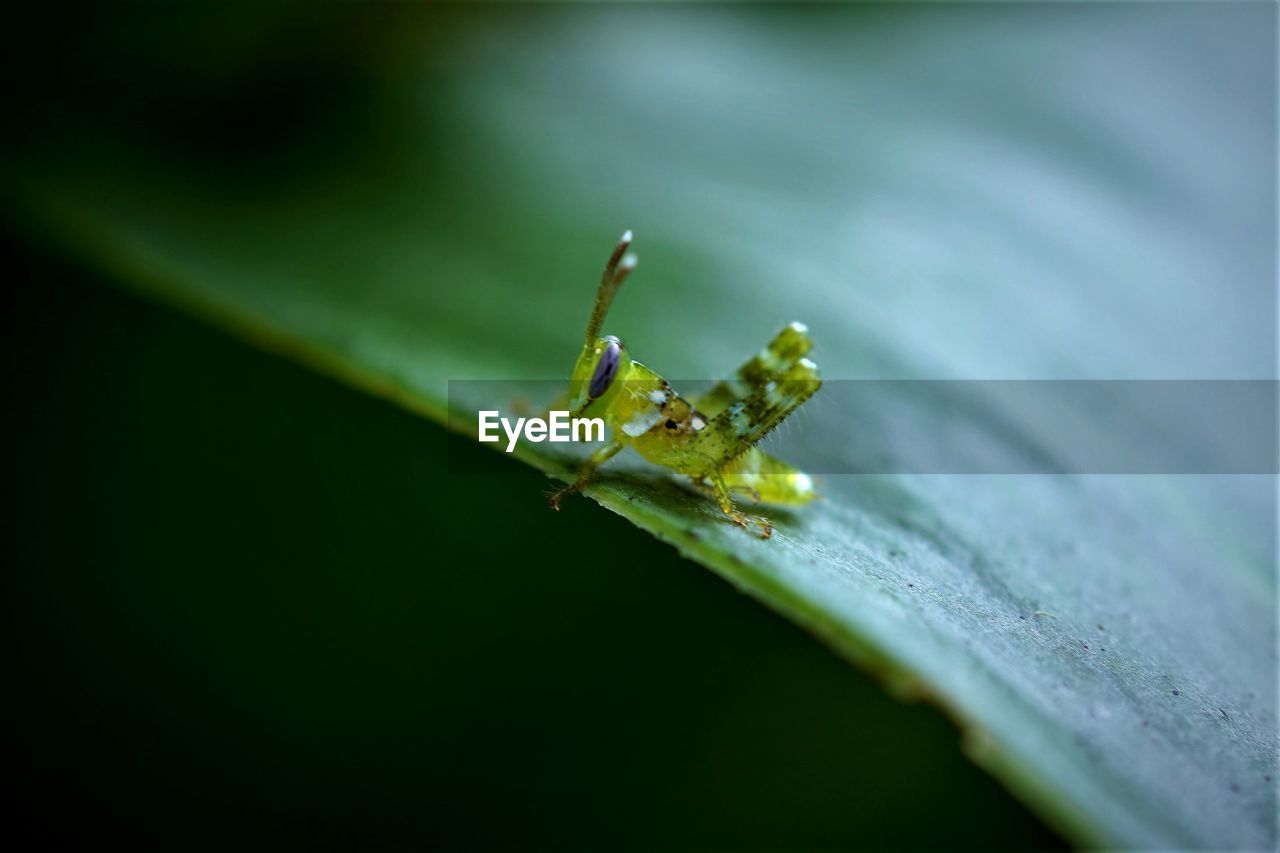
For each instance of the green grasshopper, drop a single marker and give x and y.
(712, 441)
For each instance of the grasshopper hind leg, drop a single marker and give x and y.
(728, 442)
(721, 490)
(772, 363)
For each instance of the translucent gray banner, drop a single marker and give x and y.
(966, 427)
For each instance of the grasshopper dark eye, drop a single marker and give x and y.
(606, 369)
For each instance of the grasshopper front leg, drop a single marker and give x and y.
(594, 461)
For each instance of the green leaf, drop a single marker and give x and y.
(1049, 192)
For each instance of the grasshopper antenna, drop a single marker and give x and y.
(615, 273)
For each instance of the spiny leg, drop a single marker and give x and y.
(738, 517)
(770, 363)
(744, 423)
(738, 428)
(594, 461)
(705, 488)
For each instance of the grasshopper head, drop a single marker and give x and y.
(602, 360)
(598, 367)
